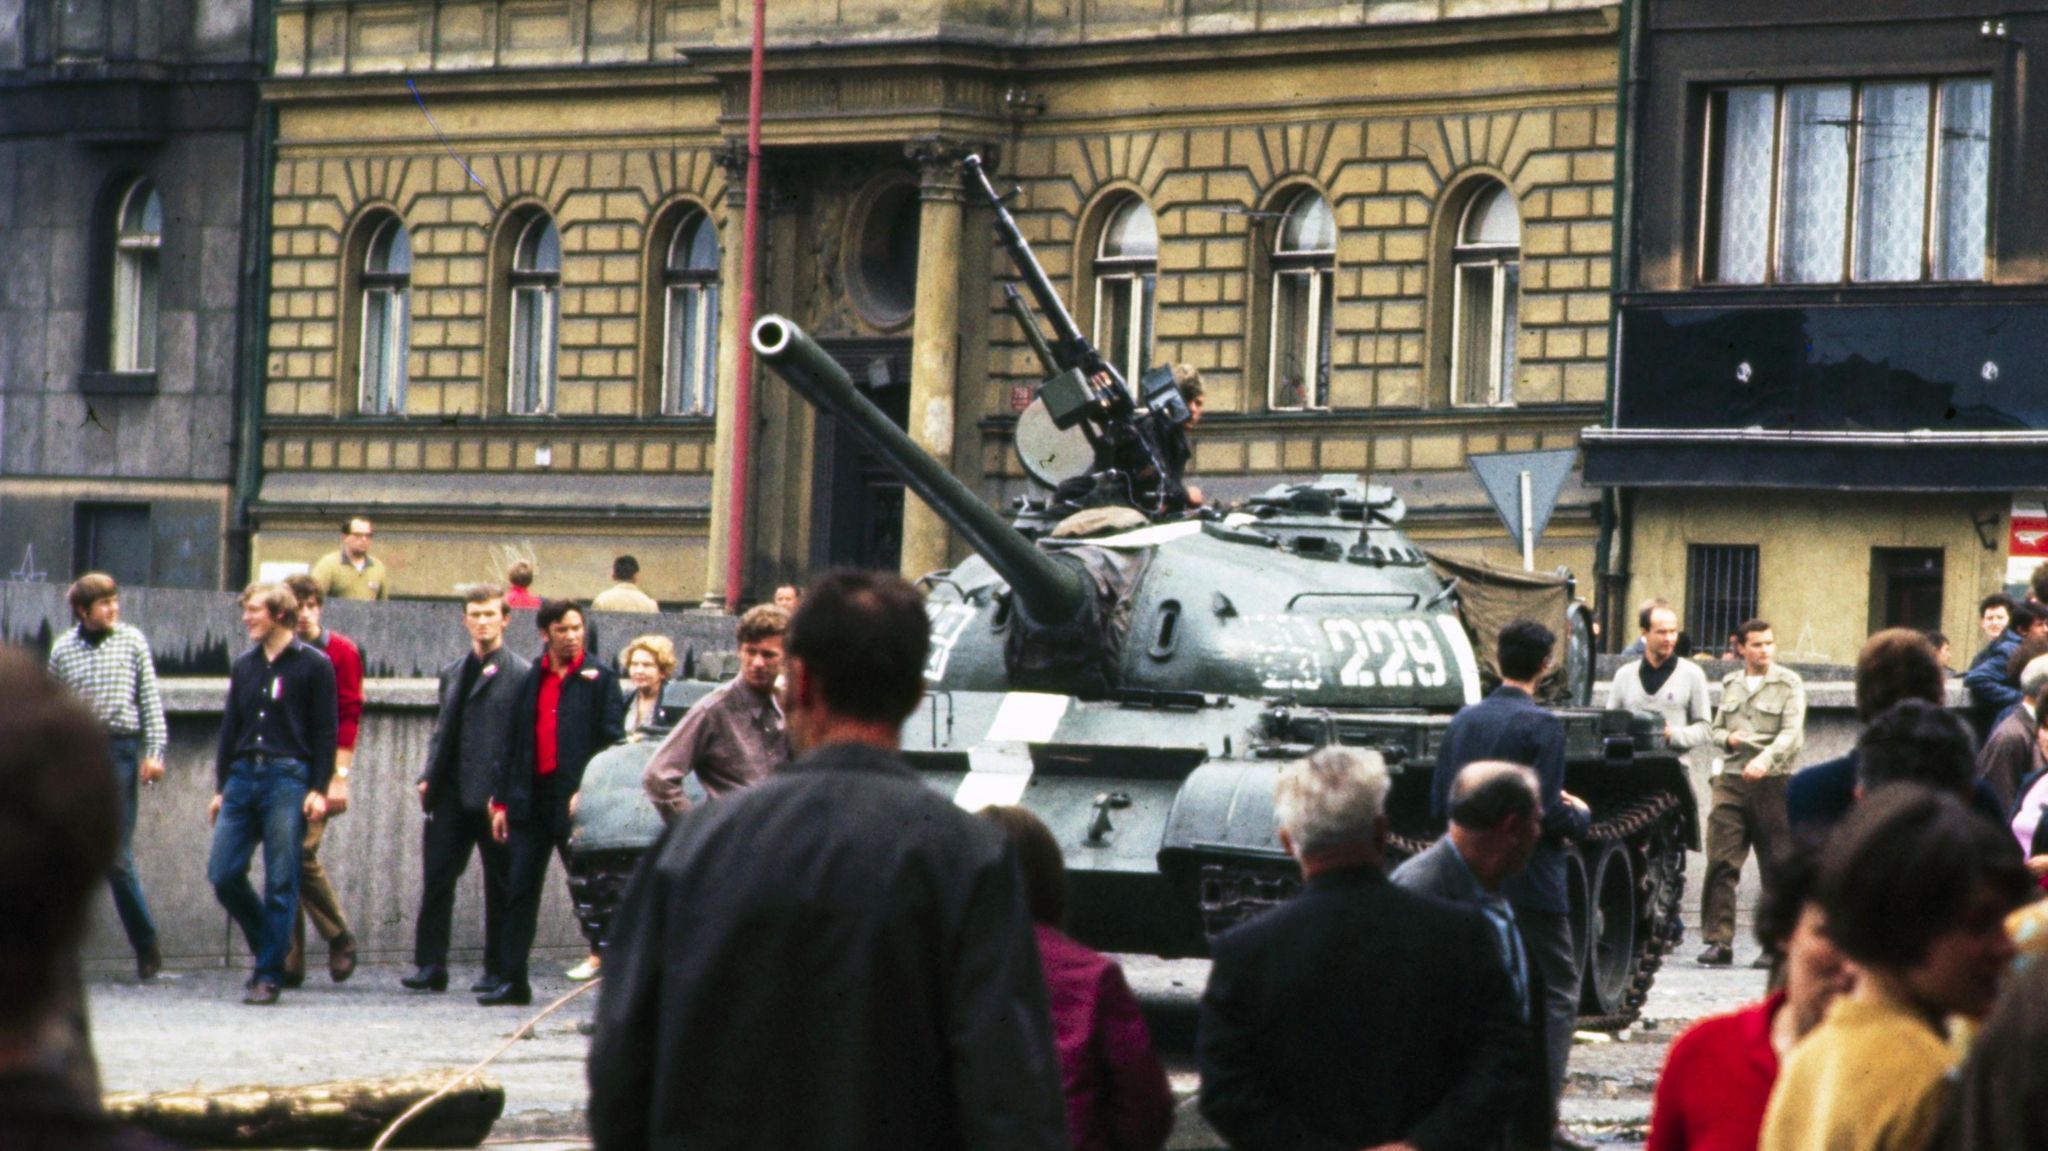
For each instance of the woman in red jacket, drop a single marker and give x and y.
(1117, 1095)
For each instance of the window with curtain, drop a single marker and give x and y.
(1872, 182)
(689, 370)
(138, 240)
(386, 280)
(1304, 267)
(1487, 264)
(535, 283)
(1126, 273)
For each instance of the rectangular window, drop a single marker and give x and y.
(1303, 323)
(1877, 182)
(386, 319)
(533, 351)
(691, 363)
(112, 538)
(1720, 591)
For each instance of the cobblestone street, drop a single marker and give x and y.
(189, 1029)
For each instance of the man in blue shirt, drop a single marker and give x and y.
(271, 773)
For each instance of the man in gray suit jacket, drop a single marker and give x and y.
(1496, 822)
(478, 695)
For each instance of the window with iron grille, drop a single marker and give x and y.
(1720, 591)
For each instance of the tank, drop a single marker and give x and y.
(1138, 681)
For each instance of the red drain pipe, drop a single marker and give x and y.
(743, 387)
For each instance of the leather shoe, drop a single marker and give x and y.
(426, 979)
(1717, 955)
(1563, 1140)
(262, 993)
(148, 962)
(341, 957)
(506, 995)
(1762, 962)
(294, 979)
(488, 981)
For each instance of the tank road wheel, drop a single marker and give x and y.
(1578, 912)
(1610, 958)
(1644, 843)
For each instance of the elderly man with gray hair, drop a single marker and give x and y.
(1359, 1014)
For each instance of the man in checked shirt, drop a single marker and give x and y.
(107, 664)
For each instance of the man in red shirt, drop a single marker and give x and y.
(1719, 1074)
(570, 708)
(317, 900)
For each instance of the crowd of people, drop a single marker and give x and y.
(818, 925)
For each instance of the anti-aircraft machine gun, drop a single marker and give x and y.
(1137, 679)
(1132, 436)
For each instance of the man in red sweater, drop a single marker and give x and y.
(1718, 1076)
(316, 895)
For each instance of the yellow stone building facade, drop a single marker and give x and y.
(505, 259)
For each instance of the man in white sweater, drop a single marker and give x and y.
(1664, 682)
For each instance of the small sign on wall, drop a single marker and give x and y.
(1021, 396)
(2026, 545)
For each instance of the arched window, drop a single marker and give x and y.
(1304, 266)
(1487, 267)
(689, 368)
(535, 282)
(1126, 270)
(138, 237)
(386, 281)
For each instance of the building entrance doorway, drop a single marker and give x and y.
(857, 502)
(1905, 588)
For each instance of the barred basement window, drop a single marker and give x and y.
(1720, 591)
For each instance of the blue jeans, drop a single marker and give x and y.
(264, 802)
(128, 901)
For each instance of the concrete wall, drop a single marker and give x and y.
(199, 633)
(372, 853)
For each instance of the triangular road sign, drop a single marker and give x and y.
(1500, 473)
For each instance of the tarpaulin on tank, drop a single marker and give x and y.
(1490, 598)
(1081, 656)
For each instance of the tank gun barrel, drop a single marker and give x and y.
(1048, 591)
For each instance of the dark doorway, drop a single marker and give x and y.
(857, 504)
(1905, 588)
(112, 538)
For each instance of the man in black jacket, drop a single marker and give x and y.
(569, 709)
(479, 694)
(836, 958)
(1358, 1014)
(1509, 725)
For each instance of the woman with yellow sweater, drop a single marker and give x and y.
(1916, 888)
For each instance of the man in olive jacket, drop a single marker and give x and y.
(1758, 732)
(836, 958)
(570, 708)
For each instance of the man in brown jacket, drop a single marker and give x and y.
(733, 737)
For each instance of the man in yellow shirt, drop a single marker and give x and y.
(1915, 887)
(352, 572)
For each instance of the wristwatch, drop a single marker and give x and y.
(341, 773)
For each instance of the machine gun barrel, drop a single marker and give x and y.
(1074, 349)
(1022, 311)
(1048, 591)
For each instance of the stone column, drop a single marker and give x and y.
(935, 342)
(730, 240)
